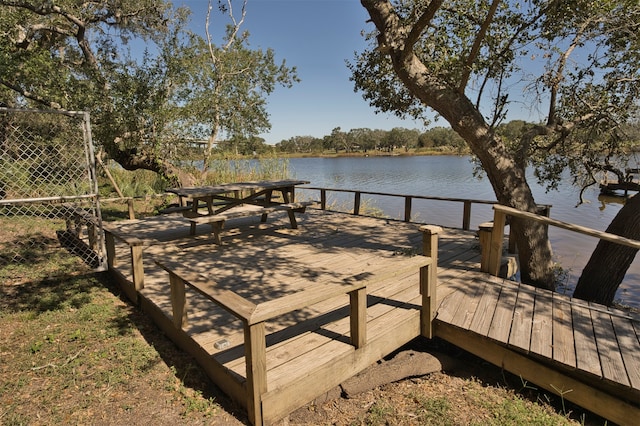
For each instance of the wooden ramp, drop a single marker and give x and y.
(586, 353)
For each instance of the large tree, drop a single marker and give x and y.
(608, 263)
(150, 85)
(463, 58)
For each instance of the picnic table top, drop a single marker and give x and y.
(203, 191)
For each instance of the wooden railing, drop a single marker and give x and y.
(492, 246)
(408, 201)
(255, 316)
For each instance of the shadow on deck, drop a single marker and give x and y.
(312, 347)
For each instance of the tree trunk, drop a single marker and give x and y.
(609, 262)
(506, 176)
(132, 160)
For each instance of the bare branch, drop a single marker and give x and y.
(236, 25)
(475, 49)
(29, 95)
(559, 74)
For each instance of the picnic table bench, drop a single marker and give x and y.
(234, 200)
(217, 221)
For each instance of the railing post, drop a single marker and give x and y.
(255, 353)
(466, 215)
(132, 213)
(110, 244)
(429, 278)
(137, 268)
(323, 199)
(497, 240)
(407, 209)
(484, 234)
(358, 305)
(356, 203)
(178, 301)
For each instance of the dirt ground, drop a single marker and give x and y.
(468, 391)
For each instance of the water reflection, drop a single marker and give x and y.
(452, 176)
(611, 199)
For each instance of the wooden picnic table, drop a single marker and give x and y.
(227, 200)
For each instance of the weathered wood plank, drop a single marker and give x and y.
(503, 316)
(587, 358)
(563, 344)
(610, 358)
(542, 327)
(468, 305)
(449, 306)
(481, 321)
(629, 348)
(520, 335)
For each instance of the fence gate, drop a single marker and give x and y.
(48, 187)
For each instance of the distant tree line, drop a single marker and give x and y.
(372, 140)
(363, 140)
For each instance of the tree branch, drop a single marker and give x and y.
(475, 49)
(29, 95)
(422, 23)
(559, 74)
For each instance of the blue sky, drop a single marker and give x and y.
(317, 37)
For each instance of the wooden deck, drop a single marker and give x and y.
(589, 354)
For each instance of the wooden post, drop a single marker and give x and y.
(92, 233)
(511, 241)
(255, 353)
(407, 208)
(137, 267)
(358, 302)
(178, 301)
(356, 203)
(429, 299)
(429, 278)
(430, 247)
(110, 244)
(323, 199)
(132, 213)
(497, 239)
(466, 215)
(484, 234)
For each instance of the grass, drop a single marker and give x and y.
(442, 400)
(72, 351)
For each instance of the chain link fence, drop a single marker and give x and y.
(48, 188)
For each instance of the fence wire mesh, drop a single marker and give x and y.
(48, 191)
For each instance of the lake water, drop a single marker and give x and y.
(452, 176)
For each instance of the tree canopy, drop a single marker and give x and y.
(151, 85)
(575, 63)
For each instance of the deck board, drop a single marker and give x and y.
(611, 359)
(542, 327)
(522, 321)
(563, 341)
(263, 261)
(486, 308)
(587, 357)
(630, 347)
(503, 316)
